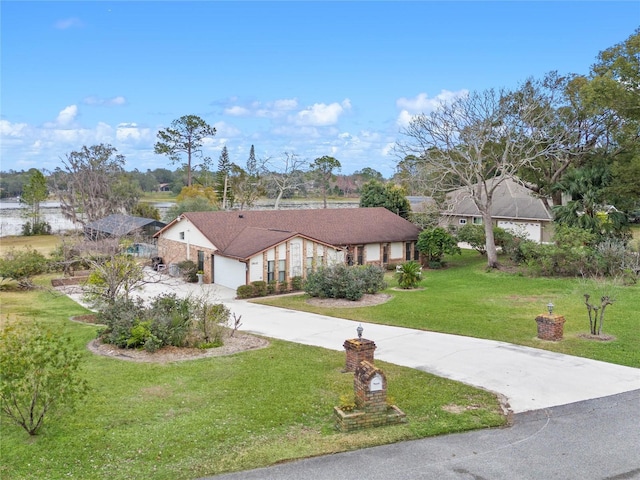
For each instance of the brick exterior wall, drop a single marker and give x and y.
(175, 252)
(550, 327)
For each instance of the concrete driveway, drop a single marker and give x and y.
(527, 378)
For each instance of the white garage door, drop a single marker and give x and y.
(531, 229)
(228, 272)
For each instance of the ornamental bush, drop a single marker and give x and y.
(167, 320)
(434, 243)
(342, 281)
(22, 266)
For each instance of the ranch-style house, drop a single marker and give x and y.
(234, 248)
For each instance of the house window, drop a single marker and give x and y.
(282, 273)
(416, 252)
(271, 269)
(477, 220)
(200, 260)
(462, 221)
(360, 255)
(181, 235)
(385, 254)
(309, 265)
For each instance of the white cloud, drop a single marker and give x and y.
(67, 115)
(423, 104)
(130, 132)
(66, 23)
(108, 102)
(275, 109)
(8, 129)
(237, 111)
(223, 129)
(286, 104)
(321, 114)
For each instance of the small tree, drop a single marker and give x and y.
(22, 266)
(595, 322)
(474, 236)
(114, 278)
(434, 243)
(39, 373)
(33, 193)
(322, 169)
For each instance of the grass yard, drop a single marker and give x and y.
(185, 420)
(466, 299)
(44, 244)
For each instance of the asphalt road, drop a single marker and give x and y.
(590, 440)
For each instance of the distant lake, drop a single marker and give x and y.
(12, 213)
(12, 217)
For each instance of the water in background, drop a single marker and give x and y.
(12, 218)
(12, 213)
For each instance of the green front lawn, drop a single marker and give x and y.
(466, 299)
(189, 419)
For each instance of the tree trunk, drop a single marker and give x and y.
(490, 244)
(277, 204)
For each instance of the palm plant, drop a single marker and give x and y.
(409, 274)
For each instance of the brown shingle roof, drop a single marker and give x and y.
(242, 234)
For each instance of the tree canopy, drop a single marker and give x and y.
(185, 136)
(322, 169)
(93, 184)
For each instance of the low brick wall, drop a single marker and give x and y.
(63, 282)
(358, 420)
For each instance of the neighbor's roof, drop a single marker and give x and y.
(118, 224)
(242, 234)
(510, 200)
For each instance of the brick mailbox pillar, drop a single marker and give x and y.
(358, 350)
(550, 327)
(370, 386)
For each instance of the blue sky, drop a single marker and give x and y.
(311, 78)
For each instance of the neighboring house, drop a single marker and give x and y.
(514, 208)
(239, 247)
(117, 226)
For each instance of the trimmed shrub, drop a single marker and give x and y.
(297, 283)
(283, 287)
(259, 288)
(341, 281)
(373, 278)
(246, 291)
(189, 271)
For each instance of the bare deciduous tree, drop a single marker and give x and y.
(287, 175)
(478, 141)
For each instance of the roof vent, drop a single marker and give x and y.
(240, 216)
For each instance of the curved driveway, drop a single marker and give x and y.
(597, 438)
(527, 378)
